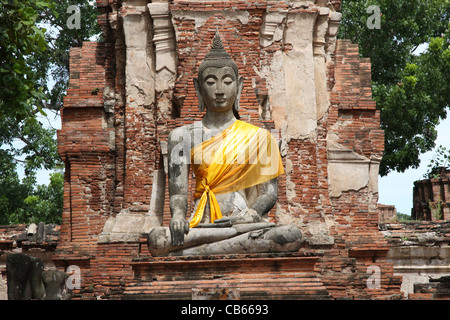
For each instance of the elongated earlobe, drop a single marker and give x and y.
(201, 105)
(240, 85)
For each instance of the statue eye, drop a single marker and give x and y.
(228, 81)
(210, 82)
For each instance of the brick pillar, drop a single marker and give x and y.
(86, 144)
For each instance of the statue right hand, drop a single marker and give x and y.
(178, 228)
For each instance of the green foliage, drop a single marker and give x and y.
(31, 55)
(37, 148)
(35, 41)
(403, 217)
(412, 108)
(53, 64)
(436, 209)
(12, 190)
(411, 91)
(404, 26)
(20, 94)
(439, 163)
(22, 201)
(43, 203)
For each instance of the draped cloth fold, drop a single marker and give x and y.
(239, 157)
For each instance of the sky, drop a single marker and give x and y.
(397, 188)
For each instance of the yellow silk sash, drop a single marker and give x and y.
(239, 157)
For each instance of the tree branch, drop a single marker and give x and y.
(30, 144)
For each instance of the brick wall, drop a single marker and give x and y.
(431, 198)
(420, 253)
(387, 213)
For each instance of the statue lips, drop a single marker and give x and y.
(221, 104)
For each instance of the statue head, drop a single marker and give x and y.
(218, 85)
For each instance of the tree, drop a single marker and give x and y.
(439, 164)
(412, 108)
(44, 203)
(411, 91)
(34, 68)
(20, 38)
(12, 190)
(53, 65)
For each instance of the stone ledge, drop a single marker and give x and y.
(255, 276)
(374, 252)
(305, 263)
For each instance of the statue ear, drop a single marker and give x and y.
(201, 105)
(240, 86)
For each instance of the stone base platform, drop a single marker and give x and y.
(259, 276)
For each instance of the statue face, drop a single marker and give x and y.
(219, 88)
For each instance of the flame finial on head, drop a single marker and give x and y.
(217, 50)
(217, 41)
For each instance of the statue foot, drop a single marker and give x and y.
(284, 235)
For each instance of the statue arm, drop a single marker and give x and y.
(268, 194)
(179, 158)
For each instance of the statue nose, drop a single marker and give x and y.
(219, 89)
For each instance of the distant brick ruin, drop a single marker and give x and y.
(431, 198)
(313, 91)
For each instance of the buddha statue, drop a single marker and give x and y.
(236, 167)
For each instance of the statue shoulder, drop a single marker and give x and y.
(185, 134)
(179, 133)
